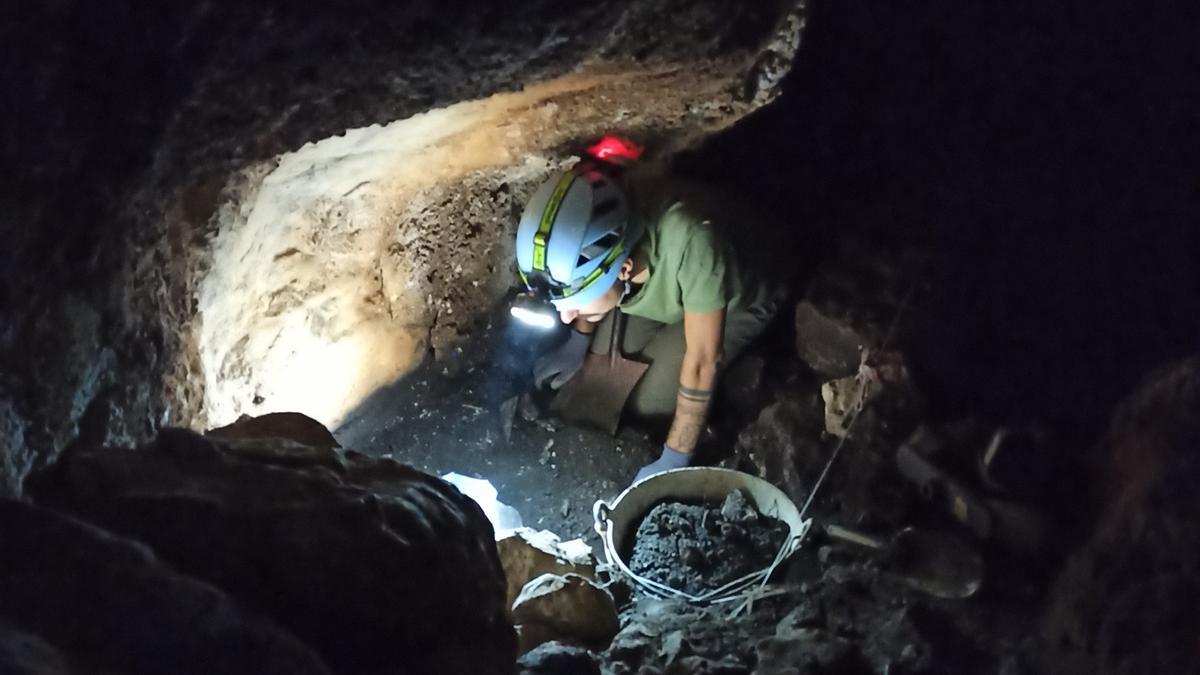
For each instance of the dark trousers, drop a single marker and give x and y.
(662, 346)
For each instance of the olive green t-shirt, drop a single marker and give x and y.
(693, 267)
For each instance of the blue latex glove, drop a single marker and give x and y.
(561, 364)
(670, 459)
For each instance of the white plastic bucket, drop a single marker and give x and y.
(617, 521)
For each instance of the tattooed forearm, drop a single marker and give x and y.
(697, 377)
(691, 409)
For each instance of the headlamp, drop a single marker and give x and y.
(534, 309)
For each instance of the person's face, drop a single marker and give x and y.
(595, 310)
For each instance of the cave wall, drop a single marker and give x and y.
(133, 125)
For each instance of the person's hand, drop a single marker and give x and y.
(561, 364)
(670, 459)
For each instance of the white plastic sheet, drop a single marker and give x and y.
(504, 518)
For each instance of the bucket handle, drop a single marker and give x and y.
(601, 511)
(601, 515)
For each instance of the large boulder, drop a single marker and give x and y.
(71, 593)
(376, 565)
(553, 658)
(1127, 601)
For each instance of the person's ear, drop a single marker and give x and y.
(626, 272)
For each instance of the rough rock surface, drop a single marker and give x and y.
(851, 305)
(554, 658)
(567, 608)
(1127, 601)
(142, 137)
(700, 547)
(72, 594)
(787, 446)
(16, 458)
(374, 564)
(882, 393)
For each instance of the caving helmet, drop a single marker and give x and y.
(574, 235)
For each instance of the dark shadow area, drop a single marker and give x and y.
(1045, 152)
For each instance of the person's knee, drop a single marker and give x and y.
(653, 399)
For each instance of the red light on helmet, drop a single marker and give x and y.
(614, 149)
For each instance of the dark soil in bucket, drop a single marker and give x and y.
(696, 548)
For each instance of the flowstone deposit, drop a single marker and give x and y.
(696, 548)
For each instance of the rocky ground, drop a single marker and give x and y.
(450, 416)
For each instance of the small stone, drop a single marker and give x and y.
(694, 557)
(528, 408)
(566, 508)
(807, 615)
(737, 508)
(508, 411)
(673, 645)
(698, 665)
(838, 574)
(555, 658)
(823, 554)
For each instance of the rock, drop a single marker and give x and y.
(508, 412)
(1127, 601)
(829, 346)
(884, 391)
(808, 650)
(782, 445)
(901, 641)
(850, 306)
(842, 398)
(572, 607)
(698, 665)
(528, 408)
(376, 565)
(26, 654)
(302, 429)
(527, 554)
(808, 614)
(16, 459)
(674, 645)
(93, 598)
(553, 658)
(634, 645)
(672, 636)
(736, 508)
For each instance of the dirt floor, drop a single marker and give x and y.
(447, 417)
